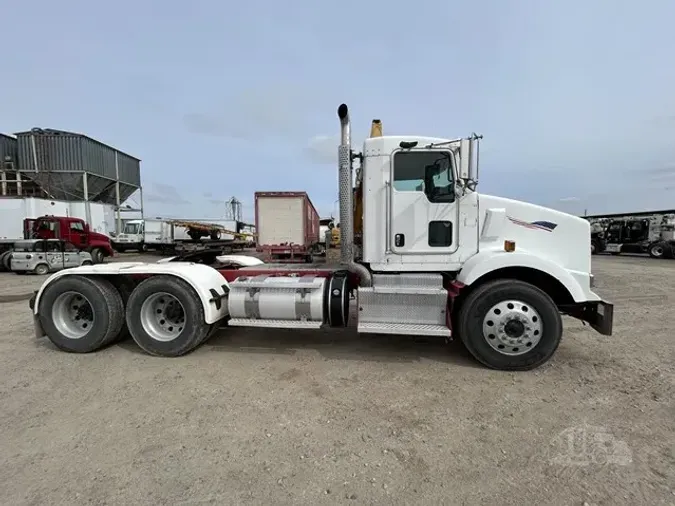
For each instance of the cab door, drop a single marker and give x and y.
(77, 234)
(423, 204)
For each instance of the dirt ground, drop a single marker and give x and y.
(291, 417)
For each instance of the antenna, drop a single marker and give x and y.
(233, 209)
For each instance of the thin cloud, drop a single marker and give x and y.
(322, 149)
(253, 114)
(162, 193)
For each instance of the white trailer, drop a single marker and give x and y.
(433, 258)
(13, 212)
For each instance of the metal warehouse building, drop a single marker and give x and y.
(71, 166)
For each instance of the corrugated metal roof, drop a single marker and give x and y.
(53, 131)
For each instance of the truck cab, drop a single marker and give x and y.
(132, 237)
(423, 214)
(73, 230)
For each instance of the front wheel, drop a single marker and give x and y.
(509, 325)
(657, 250)
(97, 255)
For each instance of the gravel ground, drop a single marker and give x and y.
(291, 417)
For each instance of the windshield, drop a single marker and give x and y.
(132, 228)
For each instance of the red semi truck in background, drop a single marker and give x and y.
(287, 226)
(73, 230)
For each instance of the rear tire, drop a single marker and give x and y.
(81, 314)
(41, 269)
(491, 317)
(165, 317)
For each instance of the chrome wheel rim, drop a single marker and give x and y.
(512, 327)
(162, 317)
(73, 315)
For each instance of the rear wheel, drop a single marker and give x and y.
(509, 325)
(165, 317)
(81, 314)
(41, 269)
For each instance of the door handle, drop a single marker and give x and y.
(399, 240)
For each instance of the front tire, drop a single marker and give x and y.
(165, 317)
(657, 250)
(97, 255)
(509, 325)
(81, 314)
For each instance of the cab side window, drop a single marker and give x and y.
(425, 171)
(53, 247)
(76, 226)
(68, 247)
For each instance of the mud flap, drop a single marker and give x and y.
(599, 315)
(37, 326)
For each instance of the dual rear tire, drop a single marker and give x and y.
(163, 314)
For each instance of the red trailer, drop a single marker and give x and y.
(287, 226)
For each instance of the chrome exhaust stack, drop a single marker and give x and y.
(346, 197)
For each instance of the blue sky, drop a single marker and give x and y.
(576, 99)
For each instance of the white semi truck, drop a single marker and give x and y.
(431, 257)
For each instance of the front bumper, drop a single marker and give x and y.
(598, 314)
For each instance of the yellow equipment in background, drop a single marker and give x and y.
(375, 131)
(335, 236)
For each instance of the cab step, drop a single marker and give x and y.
(404, 304)
(408, 329)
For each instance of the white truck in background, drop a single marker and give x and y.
(171, 235)
(428, 256)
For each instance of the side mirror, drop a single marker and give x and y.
(465, 155)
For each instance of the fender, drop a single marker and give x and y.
(492, 260)
(209, 284)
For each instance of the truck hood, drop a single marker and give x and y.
(560, 237)
(96, 236)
